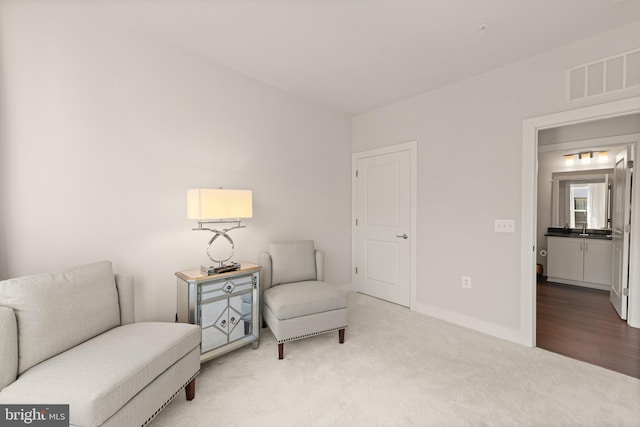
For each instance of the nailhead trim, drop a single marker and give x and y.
(169, 400)
(311, 335)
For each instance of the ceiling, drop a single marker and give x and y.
(356, 55)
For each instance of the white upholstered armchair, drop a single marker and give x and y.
(296, 301)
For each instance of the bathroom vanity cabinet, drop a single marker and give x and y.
(582, 261)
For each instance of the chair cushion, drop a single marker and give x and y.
(99, 376)
(304, 298)
(292, 261)
(58, 311)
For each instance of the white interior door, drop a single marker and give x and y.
(383, 217)
(620, 225)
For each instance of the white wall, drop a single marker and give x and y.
(470, 151)
(103, 130)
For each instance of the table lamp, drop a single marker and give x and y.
(219, 206)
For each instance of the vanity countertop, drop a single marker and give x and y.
(577, 233)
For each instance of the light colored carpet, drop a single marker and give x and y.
(401, 368)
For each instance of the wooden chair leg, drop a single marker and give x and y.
(281, 351)
(190, 389)
(341, 335)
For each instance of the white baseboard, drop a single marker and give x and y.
(508, 334)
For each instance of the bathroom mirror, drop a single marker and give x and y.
(581, 199)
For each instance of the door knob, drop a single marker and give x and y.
(404, 236)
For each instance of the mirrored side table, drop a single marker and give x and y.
(225, 305)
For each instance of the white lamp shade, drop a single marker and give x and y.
(218, 203)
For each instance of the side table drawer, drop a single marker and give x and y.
(223, 287)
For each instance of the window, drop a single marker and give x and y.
(588, 205)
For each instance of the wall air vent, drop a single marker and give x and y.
(603, 76)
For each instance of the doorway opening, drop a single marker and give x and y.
(579, 313)
(529, 251)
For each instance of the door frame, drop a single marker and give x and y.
(412, 147)
(530, 128)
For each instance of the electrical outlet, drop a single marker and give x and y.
(505, 226)
(466, 282)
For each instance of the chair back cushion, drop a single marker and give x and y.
(292, 261)
(58, 311)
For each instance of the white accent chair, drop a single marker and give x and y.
(296, 301)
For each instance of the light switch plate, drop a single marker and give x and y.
(505, 226)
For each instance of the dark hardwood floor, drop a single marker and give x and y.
(582, 324)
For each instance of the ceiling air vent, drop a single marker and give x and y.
(603, 76)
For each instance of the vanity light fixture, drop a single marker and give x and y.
(603, 157)
(585, 157)
(219, 206)
(569, 159)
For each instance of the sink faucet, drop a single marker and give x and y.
(584, 229)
